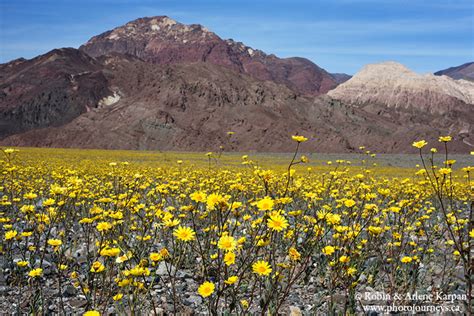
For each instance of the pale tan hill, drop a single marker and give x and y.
(395, 86)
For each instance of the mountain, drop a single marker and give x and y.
(49, 90)
(156, 84)
(465, 71)
(187, 106)
(161, 40)
(191, 106)
(395, 86)
(390, 89)
(341, 77)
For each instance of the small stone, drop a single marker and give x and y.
(69, 291)
(362, 278)
(4, 290)
(193, 300)
(77, 303)
(164, 267)
(295, 311)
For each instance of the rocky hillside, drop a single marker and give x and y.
(465, 71)
(49, 90)
(161, 40)
(183, 106)
(341, 77)
(395, 86)
(161, 85)
(390, 89)
(193, 106)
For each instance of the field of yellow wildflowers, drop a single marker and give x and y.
(141, 233)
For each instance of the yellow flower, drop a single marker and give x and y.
(154, 256)
(206, 289)
(445, 171)
(110, 252)
(97, 267)
(277, 222)
(349, 203)
(471, 233)
(138, 271)
(406, 259)
(244, 303)
(124, 282)
(123, 258)
(294, 254)
(420, 144)
(184, 233)
(35, 272)
(55, 242)
(91, 313)
(261, 267)
(9, 151)
(198, 196)
(164, 252)
(49, 202)
(171, 222)
(375, 230)
(227, 243)
(231, 280)
(328, 250)
(229, 258)
(103, 226)
(30, 196)
(22, 263)
(445, 139)
(299, 138)
(265, 204)
(213, 200)
(351, 271)
(344, 259)
(117, 297)
(10, 234)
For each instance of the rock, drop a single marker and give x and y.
(193, 300)
(69, 291)
(181, 287)
(4, 290)
(77, 303)
(295, 311)
(164, 267)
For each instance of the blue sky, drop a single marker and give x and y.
(338, 35)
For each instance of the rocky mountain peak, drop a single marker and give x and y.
(387, 70)
(154, 29)
(162, 40)
(395, 85)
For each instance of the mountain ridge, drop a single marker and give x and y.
(162, 40)
(148, 93)
(464, 71)
(395, 85)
